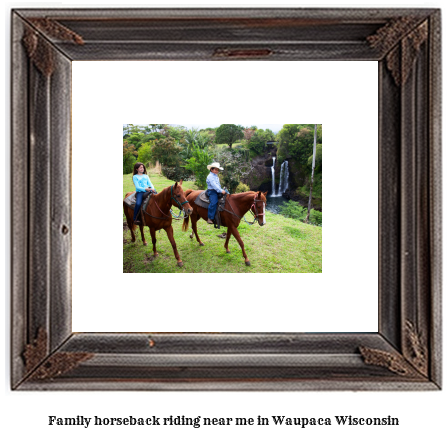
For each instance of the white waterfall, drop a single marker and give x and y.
(284, 178)
(273, 177)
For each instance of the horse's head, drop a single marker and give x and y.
(258, 207)
(178, 198)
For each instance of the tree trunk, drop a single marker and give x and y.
(312, 177)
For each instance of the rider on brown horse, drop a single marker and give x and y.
(143, 187)
(214, 190)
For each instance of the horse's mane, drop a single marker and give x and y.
(240, 195)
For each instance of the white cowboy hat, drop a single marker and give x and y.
(214, 165)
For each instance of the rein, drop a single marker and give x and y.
(255, 215)
(172, 216)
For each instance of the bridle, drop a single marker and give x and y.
(178, 203)
(253, 206)
(172, 214)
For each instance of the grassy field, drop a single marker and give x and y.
(282, 245)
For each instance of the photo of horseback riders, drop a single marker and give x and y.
(233, 177)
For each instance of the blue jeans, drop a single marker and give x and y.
(139, 198)
(212, 194)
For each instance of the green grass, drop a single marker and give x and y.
(282, 245)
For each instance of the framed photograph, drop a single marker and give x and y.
(49, 352)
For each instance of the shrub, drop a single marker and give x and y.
(177, 173)
(236, 165)
(316, 217)
(294, 210)
(242, 188)
(197, 164)
(128, 162)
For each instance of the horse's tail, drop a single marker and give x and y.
(129, 216)
(185, 225)
(188, 192)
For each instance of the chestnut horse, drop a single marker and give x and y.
(157, 215)
(236, 206)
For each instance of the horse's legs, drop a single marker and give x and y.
(142, 235)
(170, 233)
(233, 230)
(154, 241)
(227, 240)
(194, 220)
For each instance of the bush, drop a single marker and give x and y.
(316, 217)
(237, 166)
(197, 164)
(177, 173)
(242, 188)
(128, 162)
(294, 210)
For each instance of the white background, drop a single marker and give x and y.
(420, 414)
(342, 96)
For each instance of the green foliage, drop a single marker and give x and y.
(296, 141)
(236, 165)
(229, 134)
(294, 210)
(145, 154)
(241, 188)
(318, 158)
(129, 157)
(177, 173)
(257, 141)
(128, 162)
(197, 164)
(167, 152)
(201, 138)
(316, 217)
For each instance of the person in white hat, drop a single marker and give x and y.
(214, 189)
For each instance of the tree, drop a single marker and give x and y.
(129, 157)
(248, 133)
(167, 152)
(257, 142)
(176, 132)
(312, 178)
(198, 162)
(236, 166)
(229, 134)
(145, 154)
(296, 141)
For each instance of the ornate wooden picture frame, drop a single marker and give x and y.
(405, 353)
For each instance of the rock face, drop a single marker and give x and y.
(297, 175)
(261, 176)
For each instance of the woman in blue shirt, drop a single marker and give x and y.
(214, 189)
(143, 185)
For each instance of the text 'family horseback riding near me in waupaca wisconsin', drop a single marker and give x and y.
(202, 421)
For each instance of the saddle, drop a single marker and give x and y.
(204, 201)
(131, 200)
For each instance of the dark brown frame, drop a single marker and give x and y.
(405, 354)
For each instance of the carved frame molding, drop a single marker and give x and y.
(405, 354)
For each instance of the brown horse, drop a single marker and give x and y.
(236, 206)
(157, 215)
